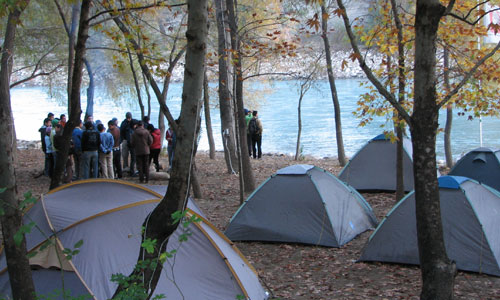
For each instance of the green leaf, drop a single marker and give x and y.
(19, 235)
(149, 245)
(177, 216)
(78, 244)
(2, 190)
(32, 254)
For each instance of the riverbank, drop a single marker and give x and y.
(291, 271)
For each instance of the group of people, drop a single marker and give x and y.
(254, 133)
(106, 153)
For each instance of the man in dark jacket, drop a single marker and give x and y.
(91, 141)
(140, 141)
(126, 129)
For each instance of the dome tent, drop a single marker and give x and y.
(108, 216)
(373, 167)
(302, 204)
(481, 164)
(469, 212)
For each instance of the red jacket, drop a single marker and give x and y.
(156, 139)
(169, 135)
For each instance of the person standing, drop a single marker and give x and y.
(91, 141)
(76, 136)
(255, 129)
(171, 140)
(62, 120)
(115, 132)
(126, 129)
(155, 147)
(49, 151)
(140, 140)
(105, 152)
(145, 122)
(43, 134)
(248, 117)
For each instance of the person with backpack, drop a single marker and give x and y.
(255, 130)
(91, 141)
(248, 117)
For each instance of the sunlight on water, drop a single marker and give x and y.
(278, 114)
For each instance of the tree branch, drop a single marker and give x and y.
(138, 51)
(465, 18)
(33, 75)
(268, 74)
(113, 11)
(63, 18)
(468, 75)
(362, 63)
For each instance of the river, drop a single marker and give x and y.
(278, 113)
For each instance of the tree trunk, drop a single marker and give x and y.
(161, 126)
(400, 184)
(438, 271)
(89, 111)
(248, 177)
(333, 89)
(74, 100)
(208, 119)
(447, 136)
(225, 103)
(148, 94)
(136, 82)
(160, 223)
(299, 120)
(195, 183)
(71, 31)
(400, 126)
(11, 220)
(449, 112)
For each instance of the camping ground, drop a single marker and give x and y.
(292, 271)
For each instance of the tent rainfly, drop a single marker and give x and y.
(481, 164)
(373, 167)
(302, 204)
(469, 212)
(107, 215)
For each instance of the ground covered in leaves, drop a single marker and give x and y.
(291, 271)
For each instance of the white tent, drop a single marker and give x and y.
(107, 215)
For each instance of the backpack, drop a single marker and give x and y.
(252, 127)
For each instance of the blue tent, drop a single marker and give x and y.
(302, 204)
(481, 164)
(373, 167)
(470, 216)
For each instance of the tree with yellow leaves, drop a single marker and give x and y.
(430, 18)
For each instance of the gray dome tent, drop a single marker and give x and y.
(108, 216)
(373, 167)
(481, 164)
(302, 204)
(470, 215)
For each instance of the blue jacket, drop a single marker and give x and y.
(77, 138)
(107, 142)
